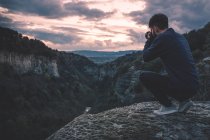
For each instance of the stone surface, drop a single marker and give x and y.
(137, 122)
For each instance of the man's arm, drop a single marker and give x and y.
(155, 48)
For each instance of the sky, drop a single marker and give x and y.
(99, 25)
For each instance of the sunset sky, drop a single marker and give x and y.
(102, 25)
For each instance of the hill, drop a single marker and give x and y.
(34, 101)
(199, 41)
(102, 56)
(51, 87)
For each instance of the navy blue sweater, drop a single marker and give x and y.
(174, 51)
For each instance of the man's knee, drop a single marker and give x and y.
(152, 78)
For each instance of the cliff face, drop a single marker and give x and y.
(203, 68)
(32, 105)
(137, 122)
(30, 63)
(99, 72)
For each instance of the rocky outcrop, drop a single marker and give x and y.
(99, 72)
(137, 122)
(124, 87)
(203, 68)
(30, 63)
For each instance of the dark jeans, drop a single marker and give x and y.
(161, 88)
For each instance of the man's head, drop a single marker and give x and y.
(158, 23)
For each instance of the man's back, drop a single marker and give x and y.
(174, 51)
(179, 62)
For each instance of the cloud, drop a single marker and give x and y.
(5, 21)
(57, 38)
(53, 8)
(81, 9)
(10, 23)
(110, 30)
(136, 37)
(98, 24)
(185, 15)
(69, 29)
(46, 8)
(106, 45)
(78, 31)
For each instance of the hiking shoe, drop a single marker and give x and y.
(166, 110)
(185, 106)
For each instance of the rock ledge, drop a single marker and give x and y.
(137, 122)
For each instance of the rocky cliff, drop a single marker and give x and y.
(137, 122)
(33, 106)
(30, 63)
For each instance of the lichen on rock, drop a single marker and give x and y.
(137, 122)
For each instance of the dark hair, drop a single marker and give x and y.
(160, 20)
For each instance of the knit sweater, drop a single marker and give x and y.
(174, 51)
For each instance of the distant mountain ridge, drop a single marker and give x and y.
(89, 53)
(103, 56)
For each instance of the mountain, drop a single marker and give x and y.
(199, 41)
(42, 89)
(89, 53)
(102, 56)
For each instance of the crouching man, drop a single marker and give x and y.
(181, 83)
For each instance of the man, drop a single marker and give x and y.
(181, 82)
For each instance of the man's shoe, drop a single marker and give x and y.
(166, 110)
(185, 106)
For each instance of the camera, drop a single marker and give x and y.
(149, 35)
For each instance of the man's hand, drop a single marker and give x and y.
(150, 35)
